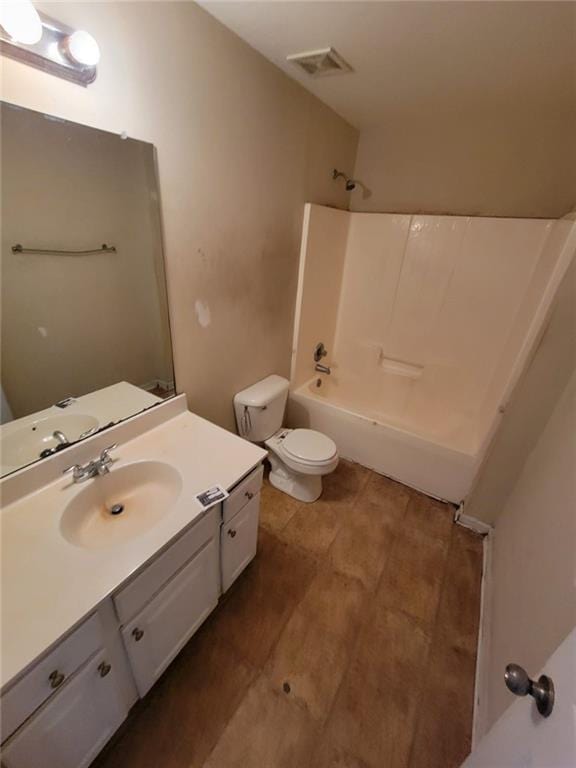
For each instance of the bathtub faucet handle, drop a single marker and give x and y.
(322, 369)
(319, 352)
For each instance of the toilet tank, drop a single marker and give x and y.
(260, 408)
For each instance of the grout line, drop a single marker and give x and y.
(323, 561)
(365, 617)
(228, 720)
(259, 671)
(428, 672)
(354, 642)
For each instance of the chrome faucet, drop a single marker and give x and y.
(61, 442)
(60, 437)
(94, 468)
(320, 351)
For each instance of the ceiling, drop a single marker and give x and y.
(413, 57)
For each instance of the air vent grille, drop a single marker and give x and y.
(320, 63)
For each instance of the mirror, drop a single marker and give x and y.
(84, 315)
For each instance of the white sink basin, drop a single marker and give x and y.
(27, 443)
(145, 491)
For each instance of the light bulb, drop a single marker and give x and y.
(21, 21)
(82, 48)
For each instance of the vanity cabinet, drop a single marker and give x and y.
(154, 637)
(238, 541)
(45, 679)
(67, 705)
(73, 726)
(141, 588)
(239, 531)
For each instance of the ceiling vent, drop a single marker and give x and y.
(320, 63)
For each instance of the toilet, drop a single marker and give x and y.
(299, 457)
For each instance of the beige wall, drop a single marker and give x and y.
(534, 558)
(241, 147)
(506, 163)
(531, 403)
(527, 489)
(74, 324)
(531, 315)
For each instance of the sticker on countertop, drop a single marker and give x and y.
(212, 496)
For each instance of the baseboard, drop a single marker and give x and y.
(167, 386)
(478, 526)
(479, 722)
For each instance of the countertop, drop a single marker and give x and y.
(50, 584)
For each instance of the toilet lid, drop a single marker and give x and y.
(309, 445)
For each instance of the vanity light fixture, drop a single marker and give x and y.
(47, 44)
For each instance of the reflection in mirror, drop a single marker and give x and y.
(84, 318)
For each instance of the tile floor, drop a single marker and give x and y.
(349, 642)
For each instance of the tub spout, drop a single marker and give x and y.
(322, 369)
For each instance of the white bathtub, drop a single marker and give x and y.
(437, 454)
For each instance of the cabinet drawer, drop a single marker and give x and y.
(44, 679)
(145, 585)
(243, 493)
(239, 539)
(157, 634)
(70, 730)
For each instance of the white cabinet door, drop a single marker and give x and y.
(70, 730)
(522, 738)
(159, 631)
(239, 540)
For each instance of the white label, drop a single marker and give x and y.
(212, 496)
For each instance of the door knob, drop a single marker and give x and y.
(137, 634)
(517, 681)
(231, 533)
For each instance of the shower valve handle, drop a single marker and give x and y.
(320, 351)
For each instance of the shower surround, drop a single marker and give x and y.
(428, 321)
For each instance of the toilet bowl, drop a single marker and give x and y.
(299, 458)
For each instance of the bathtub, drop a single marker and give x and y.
(428, 322)
(434, 450)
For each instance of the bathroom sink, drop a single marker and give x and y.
(27, 443)
(121, 505)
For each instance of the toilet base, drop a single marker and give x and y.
(306, 488)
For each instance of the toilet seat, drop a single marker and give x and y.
(299, 459)
(307, 453)
(309, 447)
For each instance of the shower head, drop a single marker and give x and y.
(350, 184)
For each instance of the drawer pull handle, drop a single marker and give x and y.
(249, 495)
(137, 634)
(104, 668)
(231, 533)
(56, 678)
